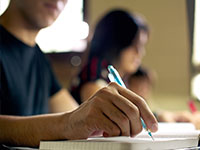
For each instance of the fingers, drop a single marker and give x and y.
(121, 111)
(132, 102)
(113, 110)
(119, 118)
(133, 114)
(126, 115)
(109, 127)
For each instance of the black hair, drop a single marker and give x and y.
(144, 74)
(113, 33)
(141, 72)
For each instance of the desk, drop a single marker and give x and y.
(27, 148)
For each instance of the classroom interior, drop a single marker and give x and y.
(168, 52)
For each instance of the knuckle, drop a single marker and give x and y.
(113, 84)
(133, 111)
(97, 99)
(139, 100)
(96, 102)
(104, 90)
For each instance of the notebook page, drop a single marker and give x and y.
(169, 135)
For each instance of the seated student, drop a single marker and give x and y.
(141, 82)
(28, 87)
(119, 39)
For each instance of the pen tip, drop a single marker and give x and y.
(151, 135)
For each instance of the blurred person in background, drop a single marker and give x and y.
(119, 39)
(142, 82)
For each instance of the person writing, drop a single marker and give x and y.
(30, 95)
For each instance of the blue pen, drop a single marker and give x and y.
(115, 77)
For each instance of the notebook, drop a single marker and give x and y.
(169, 136)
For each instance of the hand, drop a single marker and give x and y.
(113, 111)
(186, 116)
(170, 116)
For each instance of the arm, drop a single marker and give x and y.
(113, 110)
(62, 101)
(180, 116)
(28, 131)
(174, 116)
(90, 88)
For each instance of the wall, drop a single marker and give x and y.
(168, 47)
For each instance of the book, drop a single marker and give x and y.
(169, 136)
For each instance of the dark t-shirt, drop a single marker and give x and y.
(26, 78)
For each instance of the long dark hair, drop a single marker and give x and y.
(113, 33)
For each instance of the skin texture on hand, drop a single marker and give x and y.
(114, 111)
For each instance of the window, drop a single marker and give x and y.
(196, 43)
(195, 83)
(3, 5)
(67, 33)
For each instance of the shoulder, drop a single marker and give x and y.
(100, 83)
(89, 88)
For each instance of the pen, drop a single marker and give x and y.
(114, 76)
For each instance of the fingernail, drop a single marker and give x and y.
(154, 127)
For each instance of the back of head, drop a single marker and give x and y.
(142, 81)
(143, 74)
(114, 32)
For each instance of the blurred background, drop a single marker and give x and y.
(173, 52)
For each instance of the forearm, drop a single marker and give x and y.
(90, 89)
(29, 131)
(62, 101)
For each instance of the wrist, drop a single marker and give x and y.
(64, 126)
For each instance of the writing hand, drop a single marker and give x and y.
(114, 111)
